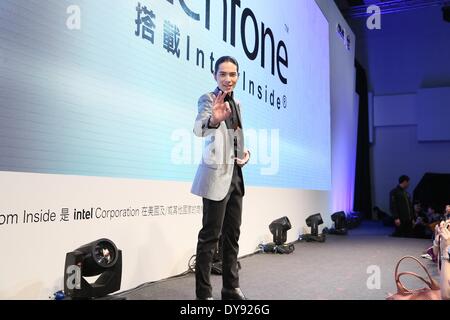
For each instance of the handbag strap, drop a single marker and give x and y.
(432, 284)
(402, 289)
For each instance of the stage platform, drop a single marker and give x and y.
(340, 268)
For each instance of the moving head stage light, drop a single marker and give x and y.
(340, 223)
(100, 257)
(279, 228)
(313, 221)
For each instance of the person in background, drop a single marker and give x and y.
(420, 223)
(441, 247)
(401, 208)
(432, 215)
(447, 212)
(434, 218)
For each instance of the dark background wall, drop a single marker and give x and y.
(408, 70)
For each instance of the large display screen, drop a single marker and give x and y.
(110, 88)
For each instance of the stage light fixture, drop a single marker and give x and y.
(98, 258)
(313, 222)
(340, 223)
(279, 228)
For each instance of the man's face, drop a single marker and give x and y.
(447, 209)
(405, 184)
(226, 76)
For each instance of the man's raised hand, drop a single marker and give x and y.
(221, 110)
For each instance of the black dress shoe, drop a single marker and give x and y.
(208, 298)
(233, 294)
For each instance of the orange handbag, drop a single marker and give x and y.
(431, 292)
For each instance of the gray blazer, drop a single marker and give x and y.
(214, 173)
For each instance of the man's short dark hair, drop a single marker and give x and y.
(225, 59)
(403, 178)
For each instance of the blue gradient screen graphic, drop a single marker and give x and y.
(110, 88)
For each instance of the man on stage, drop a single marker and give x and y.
(219, 181)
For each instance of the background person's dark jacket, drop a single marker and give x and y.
(400, 204)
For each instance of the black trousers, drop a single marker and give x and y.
(220, 218)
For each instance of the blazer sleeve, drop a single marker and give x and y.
(201, 128)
